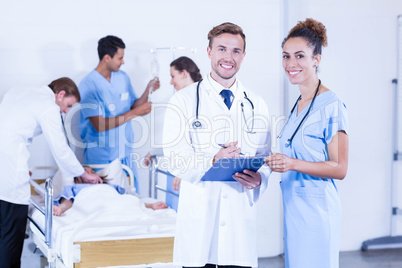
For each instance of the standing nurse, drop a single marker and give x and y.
(107, 106)
(24, 114)
(216, 220)
(314, 146)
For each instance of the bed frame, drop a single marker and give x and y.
(154, 170)
(98, 253)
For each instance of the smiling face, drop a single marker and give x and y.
(226, 54)
(298, 61)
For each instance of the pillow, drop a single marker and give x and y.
(115, 174)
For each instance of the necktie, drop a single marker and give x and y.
(226, 93)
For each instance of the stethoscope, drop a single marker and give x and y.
(301, 122)
(64, 129)
(197, 123)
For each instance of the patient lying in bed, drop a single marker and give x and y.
(65, 200)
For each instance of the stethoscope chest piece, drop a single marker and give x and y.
(287, 143)
(197, 124)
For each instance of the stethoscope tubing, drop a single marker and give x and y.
(289, 141)
(197, 123)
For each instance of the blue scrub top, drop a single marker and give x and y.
(312, 209)
(327, 116)
(109, 99)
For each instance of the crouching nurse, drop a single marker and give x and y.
(24, 114)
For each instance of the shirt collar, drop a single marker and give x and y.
(218, 87)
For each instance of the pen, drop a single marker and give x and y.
(223, 146)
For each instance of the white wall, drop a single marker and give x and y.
(44, 40)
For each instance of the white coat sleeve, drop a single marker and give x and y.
(52, 129)
(263, 151)
(184, 161)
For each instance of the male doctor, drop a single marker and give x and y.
(216, 221)
(24, 114)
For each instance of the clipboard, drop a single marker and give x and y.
(224, 168)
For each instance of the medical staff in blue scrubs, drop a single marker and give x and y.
(314, 146)
(108, 103)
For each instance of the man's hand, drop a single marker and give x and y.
(229, 150)
(248, 178)
(91, 178)
(153, 85)
(142, 109)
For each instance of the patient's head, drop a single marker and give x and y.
(90, 171)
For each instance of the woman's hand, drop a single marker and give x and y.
(147, 159)
(176, 183)
(278, 162)
(157, 205)
(57, 211)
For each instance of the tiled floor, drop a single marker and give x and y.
(380, 258)
(28, 258)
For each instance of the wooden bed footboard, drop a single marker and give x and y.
(125, 252)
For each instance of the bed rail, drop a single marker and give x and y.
(154, 186)
(47, 210)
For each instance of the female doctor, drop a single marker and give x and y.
(184, 72)
(216, 220)
(314, 146)
(24, 114)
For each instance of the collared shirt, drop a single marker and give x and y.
(218, 87)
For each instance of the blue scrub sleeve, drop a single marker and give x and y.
(338, 120)
(91, 103)
(133, 96)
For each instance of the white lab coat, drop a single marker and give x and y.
(216, 221)
(24, 114)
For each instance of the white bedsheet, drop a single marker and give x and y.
(112, 216)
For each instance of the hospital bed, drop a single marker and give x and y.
(156, 168)
(92, 241)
